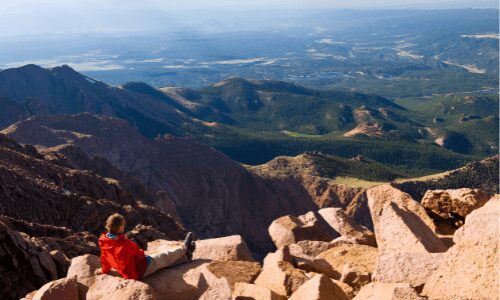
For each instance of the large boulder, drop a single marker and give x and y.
(380, 195)
(247, 291)
(319, 287)
(345, 225)
(182, 282)
(399, 229)
(461, 202)
(387, 291)
(116, 288)
(356, 263)
(84, 267)
(221, 277)
(64, 288)
(227, 248)
(409, 251)
(471, 267)
(290, 229)
(406, 267)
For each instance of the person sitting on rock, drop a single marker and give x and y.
(123, 255)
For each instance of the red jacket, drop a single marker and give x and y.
(123, 255)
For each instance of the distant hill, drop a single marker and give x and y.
(328, 166)
(280, 106)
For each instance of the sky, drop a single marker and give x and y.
(32, 17)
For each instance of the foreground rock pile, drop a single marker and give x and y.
(322, 255)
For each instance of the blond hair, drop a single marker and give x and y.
(114, 222)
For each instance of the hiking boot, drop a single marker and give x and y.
(189, 245)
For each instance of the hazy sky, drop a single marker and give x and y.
(33, 6)
(63, 16)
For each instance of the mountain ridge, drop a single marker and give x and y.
(237, 114)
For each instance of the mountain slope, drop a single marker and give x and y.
(213, 194)
(29, 181)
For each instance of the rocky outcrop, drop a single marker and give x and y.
(471, 267)
(344, 270)
(448, 208)
(380, 195)
(447, 203)
(409, 251)
(282, 278)
(400, 230)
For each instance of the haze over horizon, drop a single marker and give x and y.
(25, 17)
